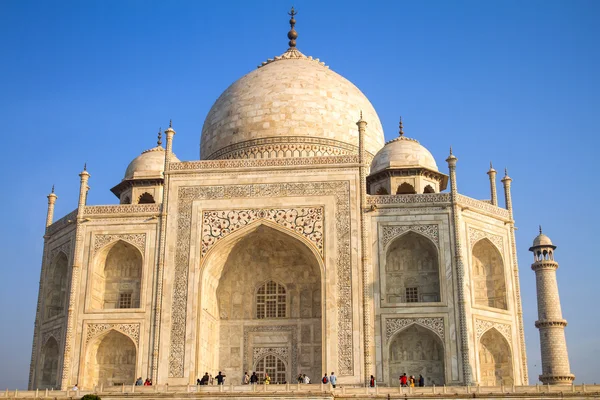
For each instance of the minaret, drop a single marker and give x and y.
(492, 174)
(50, 214)
(460, 269)
(555, 359)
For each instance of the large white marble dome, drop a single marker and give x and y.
(291, 106)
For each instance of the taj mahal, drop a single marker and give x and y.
(300, 242)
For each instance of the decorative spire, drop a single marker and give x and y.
(401, 128)
(361, 114)
(292, 34)
(52, 189)
(540, 229)
(85, 166)
(505, 171)
(159, 141)
(451, 151)
(491, 166)
(171, 123)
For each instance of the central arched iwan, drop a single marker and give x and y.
(261, 291)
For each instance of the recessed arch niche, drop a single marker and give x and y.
(238, 272)
(495, 359)
(111, 360)
(48, 370)
(488, 275)
(56, 287)
(416, 350)
(412, 270)
(117, 277)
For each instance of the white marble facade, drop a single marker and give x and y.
(271, 255)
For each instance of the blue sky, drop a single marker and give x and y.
(513, 82)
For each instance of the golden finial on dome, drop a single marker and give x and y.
(159, 141)
(401, 127)
(292, 34)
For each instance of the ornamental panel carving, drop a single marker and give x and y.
(260, 352)
(339, 190)
(262, 162)
(482, 326)
(61, 248)
(131, 330)
(475, 235)
(390, 232)
(56, 333)
(409, 199)
(122, 209)
(305, 221)
(293, 360)
(136, 239)
(393, 325)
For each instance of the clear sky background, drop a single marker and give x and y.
(514, 82)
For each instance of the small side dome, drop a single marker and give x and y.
(150, 164)
(542, 240)
(403, 152)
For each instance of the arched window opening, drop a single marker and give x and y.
(488, 276)
(495, 360)
(406, 188)
(271, 301)
(56, 289)
(273, 366)
(111, 361)
(412, 270)
(48, 375)
(381, 191)
(146, 198)
(117, 282)
(428, 189)
(417, 350)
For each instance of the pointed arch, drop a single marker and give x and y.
(415, 350)
(117, 276)
(412, 272)
(489, 282)
(111, 359)
(146, 198)
(429, 189)
(48, 373)
(406, 188)
(495, 359)
(55, 298)
(273, 365)
(231, 273)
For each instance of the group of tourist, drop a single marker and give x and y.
(140, 382)
(410, 381)
(208, 379)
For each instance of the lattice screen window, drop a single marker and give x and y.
(273, 366)
(125, 300)
(412, 295)
(271, 301)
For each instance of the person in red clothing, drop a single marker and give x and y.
(403, 380)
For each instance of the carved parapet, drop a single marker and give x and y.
(550, 323)
(121, 210)
(544, 265)
(61, 223)
(429, 198)
(550, 379)
(482, 206)
(195, 166)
